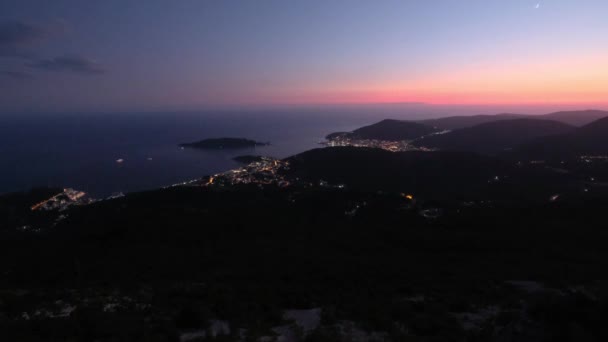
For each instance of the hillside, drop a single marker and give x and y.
(591, 139)
(412, 172)
(577, 118)
(189, 258)
(574, 118)
(494, 137)
(184, 258)
(441, 175)
(457, 122)
(388, 129)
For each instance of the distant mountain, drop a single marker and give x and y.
(574, 118)
(494, 137)
(457, 122)
(591, 139)
(388, 129)
(577, 118)
(222, 143)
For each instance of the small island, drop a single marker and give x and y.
(224, 143)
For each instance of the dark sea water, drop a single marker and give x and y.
(80, 150)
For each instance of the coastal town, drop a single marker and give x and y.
(63, 200)
(392, 146)
(263, 171)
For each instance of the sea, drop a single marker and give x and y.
(82, 150)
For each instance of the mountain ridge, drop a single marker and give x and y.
(387, 129)
(494, 137)
(575, 118)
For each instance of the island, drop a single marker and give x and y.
(224, 143)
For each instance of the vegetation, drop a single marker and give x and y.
(591, 139)
(176, 259)
(15, 209)
(494, 137)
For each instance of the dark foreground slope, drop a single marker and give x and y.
(15, 209)
(432, 175)
(156, 265)
(480, 252)
(441, 175)
(494, 137)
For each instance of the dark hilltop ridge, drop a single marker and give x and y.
(421, 173)
(246, 262)
(388, 129)
(494, 137)
(574, 118)
(224, 143)
(441, 175)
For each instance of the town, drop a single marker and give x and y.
(392, 146)
(264, 171)
(63, 200)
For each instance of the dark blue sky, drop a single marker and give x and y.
(147, 55)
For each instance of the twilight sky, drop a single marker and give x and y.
(148, 55)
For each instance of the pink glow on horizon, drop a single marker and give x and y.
(569, 80)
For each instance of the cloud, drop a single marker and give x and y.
(69, 63)
(18, 75)
(20, 33)
(17, 37)
(20, 40)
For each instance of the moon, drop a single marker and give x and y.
(537, 5)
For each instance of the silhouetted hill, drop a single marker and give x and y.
(591, 139)
(432, 174)
(159, 265)
(594, 130)
(494, 137)
(577, 118)
(155, 266)
(15, 208)
(389, 129)
(457, 122)
(574, 118)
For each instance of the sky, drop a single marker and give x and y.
(166, 54)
